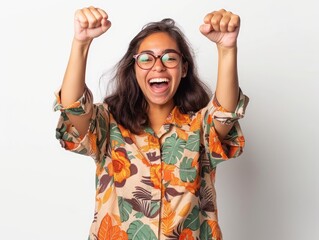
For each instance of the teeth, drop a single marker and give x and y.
(159, 80)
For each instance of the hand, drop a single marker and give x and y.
(221, 27)
(90, 23)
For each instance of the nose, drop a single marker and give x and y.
(158, 65)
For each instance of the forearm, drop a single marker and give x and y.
(227, 88)
(222, 28)
(74, 78)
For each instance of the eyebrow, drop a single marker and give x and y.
(163, 52)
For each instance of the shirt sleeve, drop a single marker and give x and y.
(94, 142)
(233, 144)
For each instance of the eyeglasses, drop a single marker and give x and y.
(146, 60)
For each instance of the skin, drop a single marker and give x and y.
(160, 102)
(220, 27)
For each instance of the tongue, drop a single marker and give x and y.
(159, 86)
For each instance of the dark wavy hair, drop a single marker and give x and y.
(127, 103)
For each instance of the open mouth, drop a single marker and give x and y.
(159, 83)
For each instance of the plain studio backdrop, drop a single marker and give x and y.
(270, 192)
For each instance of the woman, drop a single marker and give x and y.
(157, 138)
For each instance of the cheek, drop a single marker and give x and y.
(180, 73)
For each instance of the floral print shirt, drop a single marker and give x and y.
(154, 186)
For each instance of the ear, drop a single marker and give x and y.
(184, 69)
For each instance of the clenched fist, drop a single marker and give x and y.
(90, 23)
(221, 27)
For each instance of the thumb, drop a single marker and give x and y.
(205, 28)
(105, 25)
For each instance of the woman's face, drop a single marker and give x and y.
(159, 84)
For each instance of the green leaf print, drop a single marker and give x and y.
(205, 231)
(75, 111)
(60, 131)
(115, 134)
(193, 142)
(139, 215)
(82, 151)
(192, 220)
(103, 131)
(155, 207)
(140, 231)
(64, 116)
(240, 104)
(125, 209)
(173, 149)
(232, 134)
(186, 171)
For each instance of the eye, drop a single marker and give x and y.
(144, 58)
(170, 57)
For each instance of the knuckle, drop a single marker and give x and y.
(99, 18)
(214, 21)
(223, 24)
(236, 17)
(93, 22)
(231, 25)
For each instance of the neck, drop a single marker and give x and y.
(158, 114)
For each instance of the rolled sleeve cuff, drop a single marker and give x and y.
(70, 138)
(225, 117)
(80, 107)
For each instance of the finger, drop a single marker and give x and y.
(223, 25)
(98, 16)
(209, 16)
(215, 21)
(103, 13)
(106, 24)
(234, 23)
(81, 18)
(205, 28)
(92, 21)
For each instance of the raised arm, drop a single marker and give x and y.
(89, 23)
(222, 28)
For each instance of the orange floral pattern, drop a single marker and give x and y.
(109, 232)
(119, 167)
(186, 234)
(152, 186)
(217, 234)
(156, 175)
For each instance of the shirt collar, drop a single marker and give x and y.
(177, 118)
(174, 118)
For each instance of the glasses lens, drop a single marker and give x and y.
(171, 59)
(145, 60)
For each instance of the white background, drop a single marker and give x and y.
(270, 192)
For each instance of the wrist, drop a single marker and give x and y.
(81, 47)
(224, 51)
(82, 44)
